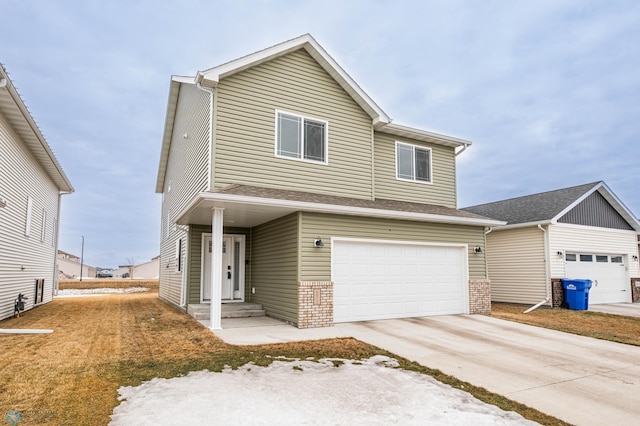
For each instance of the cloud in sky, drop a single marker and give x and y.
(548, 91)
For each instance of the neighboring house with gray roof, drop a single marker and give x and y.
(285, 185)
(31, 184)
(583, 231)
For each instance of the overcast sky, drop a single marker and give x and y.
(547, 91)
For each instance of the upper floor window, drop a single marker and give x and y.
(300, 137)
(413, 162)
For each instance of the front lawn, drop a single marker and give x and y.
(103, 342)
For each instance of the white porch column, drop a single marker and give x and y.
(216, 268)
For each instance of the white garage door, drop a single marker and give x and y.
(375, 280)
(608, 273)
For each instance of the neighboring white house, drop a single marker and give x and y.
(150, 269)
(31, 184)
(584, 231)
(69, 267)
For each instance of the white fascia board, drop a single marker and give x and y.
(172, 104)
(212, 76)
(423, 135)
(336, 209)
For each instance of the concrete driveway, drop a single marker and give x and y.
(626, 309)
(578, 379)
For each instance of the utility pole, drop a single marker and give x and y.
(81, 258)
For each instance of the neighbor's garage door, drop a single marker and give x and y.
(383, 280)
(608, 273)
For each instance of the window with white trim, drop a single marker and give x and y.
(300, 137)
(413, 163)
(178, 255)
(27, 226)
(43, 231)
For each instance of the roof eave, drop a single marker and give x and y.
(333, 209)
(212, 76)
(422, 135)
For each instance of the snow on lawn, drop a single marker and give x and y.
(297, 392)
(89, 291)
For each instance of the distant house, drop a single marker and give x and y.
(584, 231)
(284, 184)
(69, 267)
(31, 184)
(150, 270)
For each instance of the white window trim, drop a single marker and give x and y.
(303, 117)
(414, 146)
(27, 227)
(43, 232)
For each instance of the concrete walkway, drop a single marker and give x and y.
(626, 309)
(578, 379)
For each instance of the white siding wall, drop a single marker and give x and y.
(587, 239)
(23, 259)
(515, 260)
(186, 176)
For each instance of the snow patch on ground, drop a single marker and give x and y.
(91, 291)
(365, 392)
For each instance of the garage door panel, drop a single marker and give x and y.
(401, 280)
(610, 279)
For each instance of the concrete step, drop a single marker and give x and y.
(228, 310)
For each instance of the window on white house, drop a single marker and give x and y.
(586, 258)
(301, 138)
(413, 163)
(179, 255)
(27, 227)
(602, 259)
(44, 226)
(570, 257)
(616, 259)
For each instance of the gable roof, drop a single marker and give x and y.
(212, 76)
(551, 206)
(16, 112)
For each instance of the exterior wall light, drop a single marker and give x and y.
(477, 249)
(635, 258)
(560, 254)
(3, 202)
(317, 243)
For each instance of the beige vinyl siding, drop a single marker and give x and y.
(246, 122)
(274, 263)
(194, 262)
(589, 239)
(442, 190)
(186, 176)
(516, 265)
(316, 262)
(23, 259)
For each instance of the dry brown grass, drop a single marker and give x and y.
(615, 328)
(108, 283)
(101, 343)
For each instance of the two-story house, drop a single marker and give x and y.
(31, 184)
(283, 183)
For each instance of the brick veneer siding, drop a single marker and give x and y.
(635, 290)
(480, 297)
(315, 304)
(557, 293)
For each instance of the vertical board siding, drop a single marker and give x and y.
(274, 260)
(186, 176)
(585, 239)
(23, 259)
(595, 210)
(442, 190)
(316, 262)
(246, 122)
(516, 265)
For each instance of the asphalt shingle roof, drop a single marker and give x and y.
(532, 208)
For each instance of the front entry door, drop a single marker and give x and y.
(232, 268)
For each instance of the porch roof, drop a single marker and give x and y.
(249, 206)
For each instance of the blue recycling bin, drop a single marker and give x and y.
(576, 293)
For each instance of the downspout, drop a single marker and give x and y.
(56, 283)
(210, 92)
(486, 262)
(546, 272)
(462, 150)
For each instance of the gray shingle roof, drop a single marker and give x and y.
(532, 208)
(281, 194)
